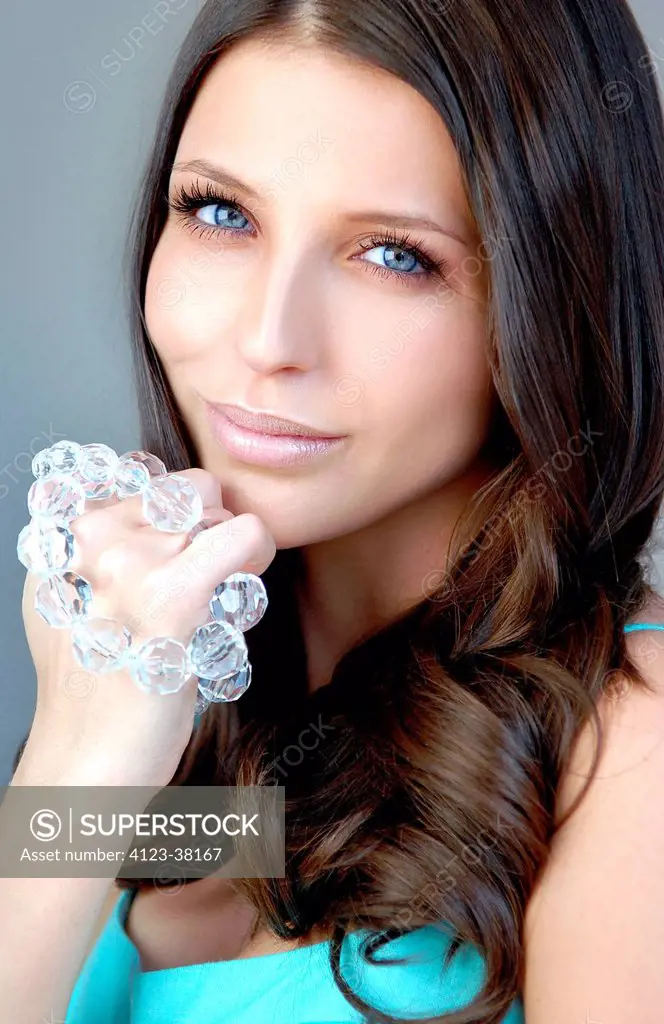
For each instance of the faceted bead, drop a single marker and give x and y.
(216, 650)
(134, 470)
(159, 665)
(241, 599)
(202, 703)
(56, 497)
(172, 503)
(60, 457)
(130, 477)
(95, 470)
(42, 465)
(63, 599)
(228, 687)
(100, 644)
(45, 547)
(64, 456)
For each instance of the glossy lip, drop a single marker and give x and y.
(267, 449)
(266, 423)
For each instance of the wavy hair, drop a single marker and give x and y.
(430, 796)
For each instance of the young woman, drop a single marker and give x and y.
(429, 236)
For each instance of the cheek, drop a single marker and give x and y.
(166, 305)
(427, 388)
(189, 300)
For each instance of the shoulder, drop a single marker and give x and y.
(632, 717)
(597, 914)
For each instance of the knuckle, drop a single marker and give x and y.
(255, 540)
(200, 478)
(240, 543)
(195, 474)
(206, 483)
(87, 527)
(115, 561)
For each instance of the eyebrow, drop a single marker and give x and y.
(223, 177)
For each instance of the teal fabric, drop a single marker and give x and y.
(293, 987)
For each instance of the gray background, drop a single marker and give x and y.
(77, 126)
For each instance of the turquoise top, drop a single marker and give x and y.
(291, 987)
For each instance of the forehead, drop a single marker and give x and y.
(355, 130)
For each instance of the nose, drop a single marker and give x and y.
(283, 326)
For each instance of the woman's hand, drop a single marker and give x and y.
(102, 728)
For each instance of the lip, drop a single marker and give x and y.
(271, 442)
(266, 423)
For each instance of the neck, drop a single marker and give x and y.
(353, 584)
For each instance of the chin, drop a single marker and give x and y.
(298, 529)
(287, 532)
(295, 512)
(286, 528)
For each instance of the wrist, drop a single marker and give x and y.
(48, 764)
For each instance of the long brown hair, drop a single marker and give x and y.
(456, 721)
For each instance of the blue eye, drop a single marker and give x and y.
(403, 259)
(210, 210)
(223, 215)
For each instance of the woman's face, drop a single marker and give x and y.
(294, 299)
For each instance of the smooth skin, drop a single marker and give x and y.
(285, 303)
(292, 311)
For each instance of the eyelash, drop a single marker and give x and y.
(186, 201)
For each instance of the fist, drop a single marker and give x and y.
(156, 584)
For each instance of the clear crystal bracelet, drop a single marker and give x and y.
(68, 475)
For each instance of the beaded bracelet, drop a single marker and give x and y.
(67, 476)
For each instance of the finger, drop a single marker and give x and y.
(240, 544)
(106, 549)
(105, 546)
(97, 527)
(205, 524)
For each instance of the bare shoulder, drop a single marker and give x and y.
(597, 915)
(631, 716)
